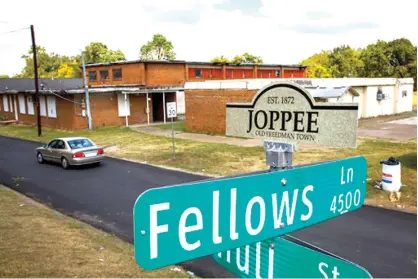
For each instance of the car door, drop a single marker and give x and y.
(57, 150)
(47, 152)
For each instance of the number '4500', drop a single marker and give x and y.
(345, 201)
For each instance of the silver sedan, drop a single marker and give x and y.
(70, 151)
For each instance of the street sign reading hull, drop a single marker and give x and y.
(287, 112)
(179, 223)
(287, 258)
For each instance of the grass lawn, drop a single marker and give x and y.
(36, 241)
(224, 159)
(371, 121)
(178, 126)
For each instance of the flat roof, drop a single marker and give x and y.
(192, 63)
(15, 85)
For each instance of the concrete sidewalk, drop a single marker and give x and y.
(400, 130)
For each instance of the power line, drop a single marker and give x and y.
(13, 31)
(59, 96)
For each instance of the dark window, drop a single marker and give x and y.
(277, 73)
(104, 75)
(60, 145)
(79, 143)
(117, 74)
(198, 73)
(404, 93)
(52, 144)
(92, 75)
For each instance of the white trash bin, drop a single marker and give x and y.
(391, 175)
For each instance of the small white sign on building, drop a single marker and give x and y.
(171, 110)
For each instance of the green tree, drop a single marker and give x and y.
(403, 57)
(397, 58)
(4, 76)
(220, 59)
(345, 62)
(318, 65)
(97, 52)
(159, 48)
(48, 64)
(247, 58)
(376, 60)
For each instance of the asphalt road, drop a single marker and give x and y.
(382, 241)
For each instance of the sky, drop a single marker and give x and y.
(282, 32)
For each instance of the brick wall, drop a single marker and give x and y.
(104, 110)
(64, 111)
(206, 109)
(165, 74)
(131, 74)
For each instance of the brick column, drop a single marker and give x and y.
(186, 76)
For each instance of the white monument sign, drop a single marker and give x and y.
(286, 112)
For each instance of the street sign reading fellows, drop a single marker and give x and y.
(287, 112)
(178, 223)
(287, 258)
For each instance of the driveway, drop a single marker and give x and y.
(382, 241)
(401, 130)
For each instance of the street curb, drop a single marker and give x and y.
(403, 210)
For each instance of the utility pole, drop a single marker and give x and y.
(35, 68)
(86, 86)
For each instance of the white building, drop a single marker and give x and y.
(375, 96)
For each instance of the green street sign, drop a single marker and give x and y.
(287, 257)
(183, 222)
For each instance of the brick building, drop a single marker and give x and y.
(122, 93)
(57, 108)
(159, 82)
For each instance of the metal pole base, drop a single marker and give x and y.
(279, 155)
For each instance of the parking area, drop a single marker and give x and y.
(401, 130)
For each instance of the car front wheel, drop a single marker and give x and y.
(40, 158)
(64, 163)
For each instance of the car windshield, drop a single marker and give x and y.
(79, 143)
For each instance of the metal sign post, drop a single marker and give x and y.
(171, 113)
(279, 155)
